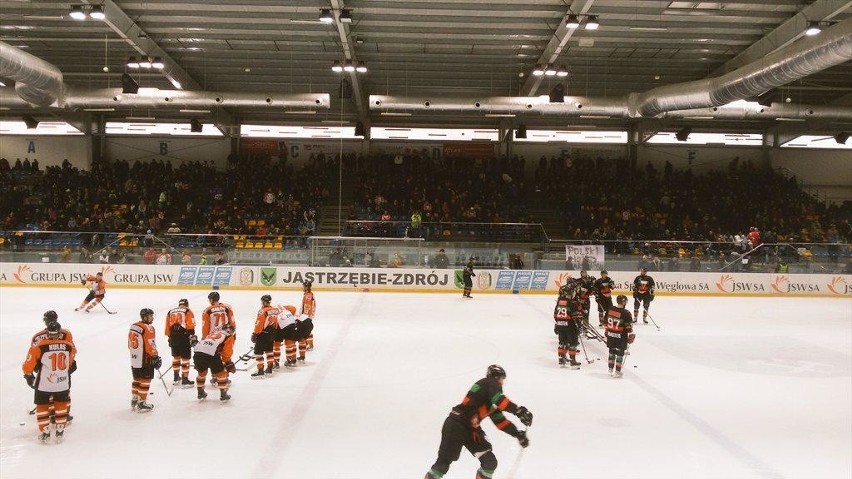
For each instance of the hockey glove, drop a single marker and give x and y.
(635, 295)
(522, 439)
(630, 338)
(525, 416)
(254, 337)
(73, 367)
(193, 340)
(156, 361)
(652, 296)
(230, 367)
(30, 380)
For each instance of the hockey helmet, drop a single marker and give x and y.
(147, 315)
(307, 284)
(643, 270)
(495, 371)
(53, 329)
(584, 274)
(266, 298)
(50, 316)
(183, 302)
(604, 273)
(621, 299)
(213, 296)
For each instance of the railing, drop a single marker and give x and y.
(440, 252)
(449, 231)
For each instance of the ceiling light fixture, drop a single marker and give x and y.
(97, 12)
(592, 22)
(562, 71)
(77, 12)
(361, 68)
(345, 16)
(326, 16)
(573, 21)
(549, 71)
(337, 67)
(813, 29)
(158, 63)
(132, 63)
(145, 61)
(348, 67)
(539, 71)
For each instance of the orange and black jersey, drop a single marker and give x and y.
(309, 304)
(215, 316)
(53, 360)
(603, 287)
(180, 321)
(42, 335)
(97, 286)
(643, 284)
(218, 343)
(586, 288)
(618, 320)
(267, 320)
(485, 399)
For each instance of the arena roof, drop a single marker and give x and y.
(423, 48)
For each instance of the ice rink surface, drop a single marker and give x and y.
(729, 388)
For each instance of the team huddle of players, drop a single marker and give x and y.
(50, 359)
(571, 316)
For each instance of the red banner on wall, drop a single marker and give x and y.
(263, 146)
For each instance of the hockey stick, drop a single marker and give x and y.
(107, 310)
(652, 319)
(582, 345)
(168, 391)
(517, 464)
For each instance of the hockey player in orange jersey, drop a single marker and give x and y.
(97, 291)
(309, 308)
(52, 359)
(144, 359)
(180, 329)
(263, 336)
(49, 317)
(214, 352)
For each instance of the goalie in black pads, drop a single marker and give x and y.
(462, 427)
(619, 333)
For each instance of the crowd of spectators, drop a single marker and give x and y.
(156, 197)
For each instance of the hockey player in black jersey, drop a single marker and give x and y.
(585, 289)
(567, 319)
(643, 293)
(603, 295)
(619, 333)
(467, 278)
(462, 427)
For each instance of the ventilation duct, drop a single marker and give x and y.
(153, 98)
(36, 81)
(798, 60)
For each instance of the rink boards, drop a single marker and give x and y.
(414, 280)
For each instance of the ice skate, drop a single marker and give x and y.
(276, 365)
(176, 379)
(310, 347)
(269, 369)
(77, 309)
(201, 394)
(185, 383)
(574, 364)
(617, 374)
(290, 363)
(562, 361)
(144, 406)
(44, 435)
(224, 396)
(301, 359)
(60, 434)
(133, 403)
(257, 374)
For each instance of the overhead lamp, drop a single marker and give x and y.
(361, 68)
(359, 129)
(132, 63)
(683, 134)
(77, 12)
(539, 71)
(573, 21)
(129, 85)
(765, 98)
(813, 29)
(31, 122)
(348, 67)
(336, 67)
(326, 16)
(195, 126)
(557, 94)
(521, 132)
(562, 71)
(842, 137)
(345, 16)
(592, 22)
(549, 71)
(158, 63)
(97, 12)
(145, 61)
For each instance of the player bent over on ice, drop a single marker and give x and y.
(462, 427)
(619, 333)
(52, 359)
(214, 353)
